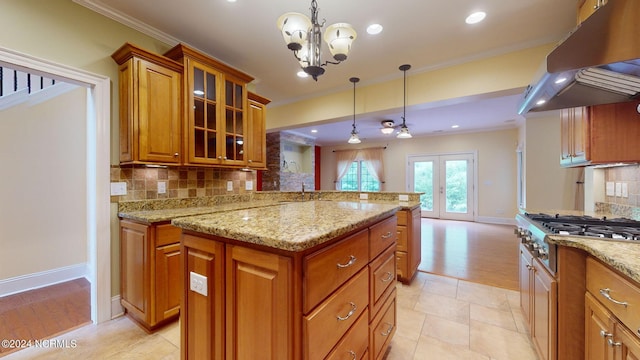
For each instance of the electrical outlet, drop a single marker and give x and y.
(229, 185)
(364, 196)
(162, 187)
(198, 283)
(118, 188)
(248, 185)
(403, 197)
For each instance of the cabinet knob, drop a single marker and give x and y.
(250, 160)
(176, 155)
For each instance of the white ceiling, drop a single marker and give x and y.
(426, 34)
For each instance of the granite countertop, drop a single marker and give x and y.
(291, 226)
(623, 256)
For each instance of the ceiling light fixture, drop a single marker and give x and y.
(476, 17)
(303, 37)
(387, 127)
(354, 139)
(404, 130)
(374, 29)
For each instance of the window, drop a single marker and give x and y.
(359, 178)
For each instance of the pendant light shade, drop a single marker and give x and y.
(404, 130)
(354, 139)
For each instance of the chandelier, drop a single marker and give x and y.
(303, 37)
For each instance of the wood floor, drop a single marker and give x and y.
(480, 253)
(45, 312)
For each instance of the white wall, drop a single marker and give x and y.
(496, 165)
(42, 187)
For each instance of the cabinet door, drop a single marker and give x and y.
(259, 321)
(615, 129)
(135, 276)
(257, 140)
(168, 282)
(598, 329)
(626, 345)
(233, 141)
(202, 319)
(574, 131)
(415, 241)
(525, 283)
(158, 113)
(544, 312)
(204, 99)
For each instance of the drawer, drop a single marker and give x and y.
(600, 278)
(355, 343)
(382, 278)
(325, 326)
(402, 232)
(402, 217)
(327, 269)
(167, 234)
(382, 328)
(402, 270)
(382, 235)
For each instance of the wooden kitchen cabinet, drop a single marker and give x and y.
(409, 252)
(257, 139)
(150, 97)
(600, 134)
(265, 303)
(539, 303)
(586, 8)
(215, 111)
(150, 271)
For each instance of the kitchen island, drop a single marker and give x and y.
(294, 280)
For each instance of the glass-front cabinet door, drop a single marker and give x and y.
(235, 124)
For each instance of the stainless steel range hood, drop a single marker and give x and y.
(598, 63)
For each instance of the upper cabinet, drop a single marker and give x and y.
(216, 109)
(587, 7)
(150, 88)
(185, 108)
(256, 147)
(600, 134)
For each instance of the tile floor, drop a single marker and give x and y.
(439, 318)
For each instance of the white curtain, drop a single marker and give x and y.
(373, 160)
(344, 159)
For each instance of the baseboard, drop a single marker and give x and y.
(496, 220)
(116, 308)
(22, 283)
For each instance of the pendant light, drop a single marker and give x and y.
(404, 130)
(354, 139)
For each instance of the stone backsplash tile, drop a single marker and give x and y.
(181, 182)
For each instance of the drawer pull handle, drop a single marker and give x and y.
(605, 293)
(387, 235)
(353, 354)
(386, 333)
(389, 277)
(353, 311)
(613, 343)
(352, 260)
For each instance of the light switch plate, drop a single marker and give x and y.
(610, 188)
(618, 189)
(198, 283)
(118, 188)
(248, 185)
(162, 187)
(229, 185)
(625, 190)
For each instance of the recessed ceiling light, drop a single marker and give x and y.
(231, 0)
(374, 29)
(476, 17)
(541, 101)
(455, 126)
(314, 130)
(302, 74)
(561, 80)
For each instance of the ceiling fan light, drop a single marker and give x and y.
(387, 130)
(339, 37)
(295, 28)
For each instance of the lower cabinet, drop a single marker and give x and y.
(151, 285)
(330, 302)
(612, 324)
(409, 253)
(538, 298)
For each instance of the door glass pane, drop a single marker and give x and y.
(456, 186)
(211, 86)
(198, 82)
(423, 182)
(198, 113)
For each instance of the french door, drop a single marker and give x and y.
(447, 182)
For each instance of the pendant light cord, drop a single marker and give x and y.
(354, 80)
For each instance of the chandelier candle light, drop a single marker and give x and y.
(303, 37)
(354, 139)
(404, 130)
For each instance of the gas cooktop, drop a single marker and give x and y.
(616, 228)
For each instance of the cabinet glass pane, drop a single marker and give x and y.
(239, 123)
(198, 82)
(238, 96)
(211, 86)
(239, 147)
(198, 113)
(211, 116)
(198, 143)
(230, 148)
(211, 145)
(228, 93)
(229, 128)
